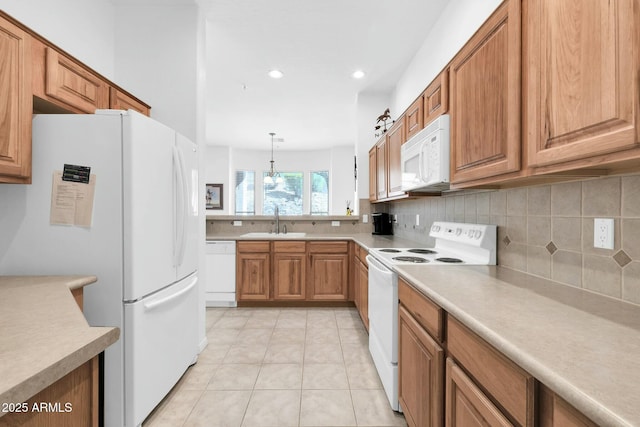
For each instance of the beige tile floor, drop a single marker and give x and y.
(280, 367)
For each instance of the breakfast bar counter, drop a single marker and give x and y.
(43, 335)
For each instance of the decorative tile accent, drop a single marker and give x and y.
(506, 240)
(622, 258)
(551, 247)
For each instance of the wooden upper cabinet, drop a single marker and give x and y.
(436, 98)
(69, 83)
(414, 117)
(582, 86)
(485, 99)
(373, 174)
(395, 139)
(15, 103)
(381, 169)
(119, 100)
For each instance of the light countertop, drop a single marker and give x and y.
(43, 333)
(366, 240)
(583, 346)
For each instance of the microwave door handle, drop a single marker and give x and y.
(421, 163)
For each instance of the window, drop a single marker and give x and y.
(287, 194)
(245, 194)
(320, 193)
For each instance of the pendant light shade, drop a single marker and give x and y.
(273, 174)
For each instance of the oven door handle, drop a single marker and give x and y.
(377, 265)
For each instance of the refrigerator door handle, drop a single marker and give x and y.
(157, 303)
(185, 206)
(178, 207)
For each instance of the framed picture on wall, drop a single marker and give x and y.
(214, 196)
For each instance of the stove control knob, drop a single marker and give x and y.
(458, 231)
(478, 234)
(435, 228)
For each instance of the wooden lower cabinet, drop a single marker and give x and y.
(329, 277)
(556, 412)
(289, 273)
(253, 271)
(467, 405)
(421, 372)
(362, 292)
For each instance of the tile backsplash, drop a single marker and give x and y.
(547, 230)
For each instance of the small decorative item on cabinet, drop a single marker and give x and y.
(349, 211)
(384, 117)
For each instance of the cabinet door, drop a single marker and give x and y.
(119, 100)
(436, 97)
(381, 169)
(421, 369)
(253, 275)
(485, 99)
(466, 404)
(329, 277)
(373, 174)
(395, 139)
(15, 104)
(582, 84)
(362, 283)
(71, 84)
(288, 276)
(556, 412)
(414, 117)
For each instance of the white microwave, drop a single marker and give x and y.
(425, 158)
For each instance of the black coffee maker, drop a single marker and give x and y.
(382, 223)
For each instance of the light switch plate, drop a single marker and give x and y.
(417, 219)
(237, 223)
(335, 223)
(603, 232)
(365, 218)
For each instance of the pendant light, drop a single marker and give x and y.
(273, 174)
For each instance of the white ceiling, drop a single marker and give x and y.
(317, 44)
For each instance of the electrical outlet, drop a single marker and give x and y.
(237, 223)
(417, 219)
(335, 223)
(395, 218)
(603, 231)
(365, 218)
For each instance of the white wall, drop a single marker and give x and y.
(217, 170)
(458, 22)
(84, 29)
(156, 59)
(337, 160)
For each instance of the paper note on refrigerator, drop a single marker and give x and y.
(72, 202)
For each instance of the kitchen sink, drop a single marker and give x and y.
(267, 235)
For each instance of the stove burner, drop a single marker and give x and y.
(393, 251)
(415, 259)
(422, 251)
(450, 260)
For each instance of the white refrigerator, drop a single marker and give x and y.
(141, 244)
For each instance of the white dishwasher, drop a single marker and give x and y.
(221, 273)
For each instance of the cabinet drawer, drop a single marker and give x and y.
(289, 247)
(253, 246)
(328, 247)
(511, 387)
(427, 313)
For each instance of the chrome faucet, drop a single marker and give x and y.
(277, 214)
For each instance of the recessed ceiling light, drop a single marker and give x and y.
(358, 74)
(275, 74)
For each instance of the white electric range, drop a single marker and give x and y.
(455, 244)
